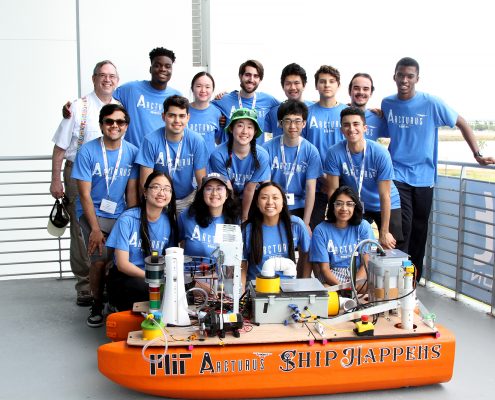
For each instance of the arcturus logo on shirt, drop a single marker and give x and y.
(300, 168)
(201, 127)
(201, 236)
(369, 173)
(276, 248)
(183, 162)
(369, 131)
(405, 121)
(342, 250)
(241, 179)
(154, 108)
(327, 126)
(155, 244)
(124, 171)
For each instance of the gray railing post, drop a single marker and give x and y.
(460, 234)
(429, 244)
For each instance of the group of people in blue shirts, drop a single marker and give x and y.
(307, 181)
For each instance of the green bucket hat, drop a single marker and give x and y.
(245, 113)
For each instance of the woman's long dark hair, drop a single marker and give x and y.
(169, 210)
(255, 218)
(198, 209)
(357, 215)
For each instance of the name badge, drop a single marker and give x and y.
(108, 206)
(290, 199)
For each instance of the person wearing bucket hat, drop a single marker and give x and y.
(241, 160)
(213, 204)
(251, 74)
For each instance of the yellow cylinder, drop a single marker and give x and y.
(150, 334)
(267, 284)
(333, 303)
(151, 330)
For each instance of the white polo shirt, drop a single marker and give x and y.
(68, 131)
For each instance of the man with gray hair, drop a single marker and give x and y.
(81, 127)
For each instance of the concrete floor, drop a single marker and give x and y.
(48, 352)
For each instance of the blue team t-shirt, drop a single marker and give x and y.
(206, 123)
(242, 171)
(145, 107)
(193, 157)
(272, 124)
(413, 130)
(306, 166)
(377, 167)
(333, 245)
(275, 243)
(198, 241)
(89, 166)
(264, 102)
(126, 235)
(323, 127)
(377, 127)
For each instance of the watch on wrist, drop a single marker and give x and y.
(477, 154)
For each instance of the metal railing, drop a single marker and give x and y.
(458, 235)
(460, 249)
(26, 248)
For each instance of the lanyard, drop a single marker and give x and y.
(82, 125)
(294, 163)
(105, 162)
(359, 183)
(240, 100)
(171, 170)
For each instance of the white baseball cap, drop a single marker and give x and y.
(58, 219)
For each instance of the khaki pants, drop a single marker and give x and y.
(79, 261)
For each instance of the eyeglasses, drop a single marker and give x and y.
(341, 204)
(288, 122)
(109, 76)
(155, 189)
(110, 122)
(211, 189)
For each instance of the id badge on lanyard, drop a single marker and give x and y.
(359, 181)
(106, 204)
(288, 176)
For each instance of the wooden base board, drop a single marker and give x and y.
(277, 333)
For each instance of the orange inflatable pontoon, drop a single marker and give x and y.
(275, 360)
(119, 324)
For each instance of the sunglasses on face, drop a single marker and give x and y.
(109, 122)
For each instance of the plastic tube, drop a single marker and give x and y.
(355, 253)
(282, 264)
(151, 342)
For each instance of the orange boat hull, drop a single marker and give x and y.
(119, 324)
(282, 369)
